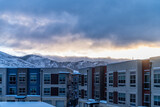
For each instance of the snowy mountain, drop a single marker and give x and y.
(40, 61)
(7, 60)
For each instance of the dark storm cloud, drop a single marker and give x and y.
(121, 21)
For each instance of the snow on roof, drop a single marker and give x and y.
(76, 72)
(92, 101)
(24, 104)
(64, 72)
(103, 101)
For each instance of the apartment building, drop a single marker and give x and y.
(22, 84)
(146, 83)
(75, 88)
(124, 83)
(92, 86)
(155, 82)
(85, 86)
(3, 83)
(56, 86)
(51, 85)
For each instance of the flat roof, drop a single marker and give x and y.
(24, 104)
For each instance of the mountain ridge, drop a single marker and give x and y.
(38, 61)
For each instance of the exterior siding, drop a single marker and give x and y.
(11, 71)
(36, 85)
(22, 84)
(126, 68)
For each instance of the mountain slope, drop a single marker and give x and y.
(7, 60)
(40, 61)
(32, 61)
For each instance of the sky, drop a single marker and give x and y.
(81, 28)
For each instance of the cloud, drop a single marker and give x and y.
(33, 28)
(86, 24)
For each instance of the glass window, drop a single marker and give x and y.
(85, 79)
(110, 79)
(22, 91)
(132, 79)
(96, 78)
(33, 78)
(48, 101)
(33, 91)
(157, 100)
(121, 98)
(0, 91)
(47, 78)
(61, 79)
(96, 93)
(12, 79)
(121, 79)
(0, 78)
(133, 99)
(12, 91)
(147, 100)
(22, 78)
(61, 91)
(85, 94)
(80, 93)
(110, 96)
(47, 91)
(147, 80)
(157, 78)
(80, 79)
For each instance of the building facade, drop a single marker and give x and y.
(92, 86)
(56, 86)
(124, 83)
(155, 82)
(51, 85)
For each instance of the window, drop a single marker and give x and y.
(133, 99)
(85, 94)
(10, 100)
(47, 91)
(0, 78)
(110, 97)
(146, 80)
(62, 79)
(12, 91)
(105, 80)
(157, 78)
(47, 78)
(80, 93)
(61, 91)
(121, 79)
(12, 79)
(96, 78)
(22, 78)
(85, 79)
(147, 100)
(157, 100)
(80, 79)
(0, 91)
(96, 94)
(110, 79)
(33, 78)
(48, 101)
(22, 91)
(33, 91)
(132, 79)
(121, 98)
